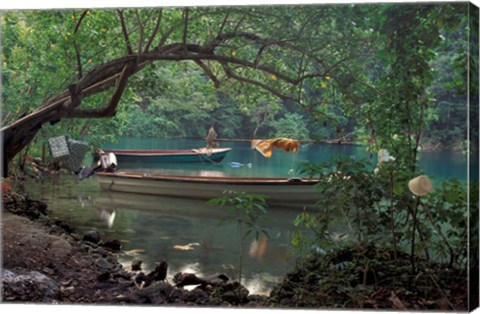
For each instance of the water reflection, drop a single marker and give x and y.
(157, 204)
(106, 214)
(151, 226)
(107, 217)
(194, 237)
(258, 248)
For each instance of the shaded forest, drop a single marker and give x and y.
(306, 72)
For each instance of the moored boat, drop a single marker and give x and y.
(278, 191)
(167, 155)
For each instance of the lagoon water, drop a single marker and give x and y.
(191, 235)
(438, 165)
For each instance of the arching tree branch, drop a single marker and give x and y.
(79, 22)
(225, 19)
(110, 109)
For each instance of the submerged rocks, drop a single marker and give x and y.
(188, 279)
(93, 236)
(65, 226)
(235, 293)
(196, 296)
(217, 292)
(158, 274)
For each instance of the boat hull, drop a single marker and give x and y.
(162, 156)
(277, 191)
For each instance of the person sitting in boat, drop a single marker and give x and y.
(211, 137)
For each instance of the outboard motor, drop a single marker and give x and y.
(107, 163)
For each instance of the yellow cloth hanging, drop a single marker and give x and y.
(265, 147)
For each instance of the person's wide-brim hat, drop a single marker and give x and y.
(420, 185)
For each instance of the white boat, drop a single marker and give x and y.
(278, 191)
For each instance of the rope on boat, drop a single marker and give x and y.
(208, 159)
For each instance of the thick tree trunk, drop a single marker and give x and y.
(15, 139)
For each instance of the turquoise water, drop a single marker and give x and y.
(156, 227)
(438, 165)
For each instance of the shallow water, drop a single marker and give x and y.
(191, 235)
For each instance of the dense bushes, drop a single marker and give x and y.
(373, 243)
(378, 207)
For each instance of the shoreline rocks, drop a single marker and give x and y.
(31, 286)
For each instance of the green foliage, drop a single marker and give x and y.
(377, 207)
(394, 77)
(447, 208)
(291, 125)
(395, 115)
(389, 71)
(312, 235)
(38, 62)
(349, 189)
(447, 128)
(249, 211)
(135, 122)
(357, 277)
(406, 39)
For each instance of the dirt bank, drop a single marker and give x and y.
(42, 262)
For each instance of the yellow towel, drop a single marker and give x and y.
(265, 147)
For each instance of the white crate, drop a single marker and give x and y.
(59, 147)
